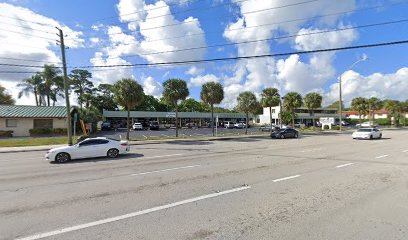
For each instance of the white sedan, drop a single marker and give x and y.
(367, 133)
(89, 148)
(137, 126)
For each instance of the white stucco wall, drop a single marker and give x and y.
(24, 126)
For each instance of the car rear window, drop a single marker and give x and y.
(364, 130)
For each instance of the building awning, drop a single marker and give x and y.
(144, 114)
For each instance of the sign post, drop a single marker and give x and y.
(216, 127)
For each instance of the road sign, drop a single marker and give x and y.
(170, 115)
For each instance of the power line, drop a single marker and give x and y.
(24, 20)
(264, 25)
(185, 22)
(22, 45)
(33, 29)
(27, 60)
(225, 58)
(267, 39)
(17, 72)
(26, 34)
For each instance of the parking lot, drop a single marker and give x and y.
(171, 132)
(315, 187)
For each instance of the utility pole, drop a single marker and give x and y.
(340, 106)
(66, 85)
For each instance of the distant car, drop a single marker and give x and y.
(285, 133)
(244, 124)
(154, 125)
(367, 133)
(106, 126)
(137, 126)
(366, 125)
(88, 148)
(299, 125)
(238, 125)
(228, 124)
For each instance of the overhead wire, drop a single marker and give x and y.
(29, 21)
(26, 34)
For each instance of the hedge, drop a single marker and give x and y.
(49, 131)
(6, 133)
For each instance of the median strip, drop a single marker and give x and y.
(164, 170)
(285, 178)
(131, 215)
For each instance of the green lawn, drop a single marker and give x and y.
(23, 142)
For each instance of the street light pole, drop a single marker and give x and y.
(363, 58)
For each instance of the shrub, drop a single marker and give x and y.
(48, 131)
(6, 133)
(335, 127)
(383, 122)
(326, 127)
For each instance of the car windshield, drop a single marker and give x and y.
(364, 130)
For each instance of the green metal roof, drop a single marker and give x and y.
(16, 111)
(144, 114)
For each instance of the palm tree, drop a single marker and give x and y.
(31, 85)
(5, 98)
(312, 101)
(374, 104)
(292, 101)
(270, 98)
(247, 104)
(128, 94)
(173, 91)
(212, 93)
(49, 74)
(394, 108)
(360, 105)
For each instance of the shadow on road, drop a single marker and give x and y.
(103, 159)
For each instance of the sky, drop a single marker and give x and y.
(122, 32)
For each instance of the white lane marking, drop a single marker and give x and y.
(382, 156)
(165, 135)
(165, 170)
(286, 178)
(153, 136)
(144, 136)
(170, 155)
(344, 165)
(131, 215)
(405, 151)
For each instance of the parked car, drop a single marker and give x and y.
(106, 126)
(88, 148)
(366, 125)
(238, 125)
(228, 124)
(244, 124)
(299, 125)
(367, 133)
(154, 125)
(285, 133)
(137, 126)
(268, 128)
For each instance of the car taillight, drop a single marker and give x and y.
(123, 144)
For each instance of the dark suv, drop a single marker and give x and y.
(154, 125)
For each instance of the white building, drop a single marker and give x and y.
(303, 115)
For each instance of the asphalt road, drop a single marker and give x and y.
(185, 132)
(315, 187)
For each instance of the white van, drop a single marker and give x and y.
(228, 124)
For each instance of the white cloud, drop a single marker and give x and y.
(109, 75)
(385, 86)
(152, 87)
(194, 71)
(28, 47)
(230, 95)
(200, 80)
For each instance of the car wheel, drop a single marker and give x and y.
(380, 136)
(282, 136)
(296, 135)
(62, 157)
(371, 137)
(113, 152)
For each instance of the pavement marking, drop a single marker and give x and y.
(382, 156)
(344, 165)
(170, 155)
(131, 215)
(165, 135)
(144, 136)
(286, 178)
(164, 170)
(405, 151)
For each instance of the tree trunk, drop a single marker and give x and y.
(176, 120)
(293, 119)
(246, 125)
(359, 118)
(128, 125)
(36, 97)
(313, 119)
(212, 119)
(270, 117)
(48, 99)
